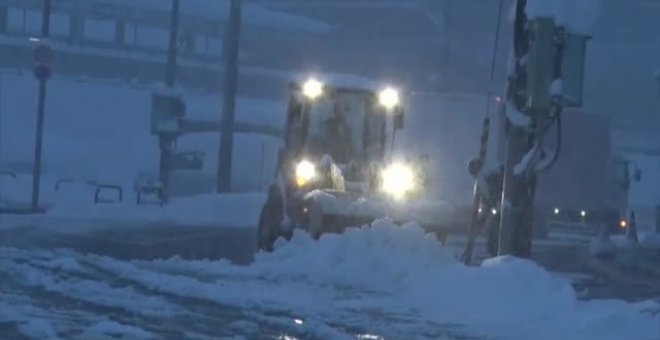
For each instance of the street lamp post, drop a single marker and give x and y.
(166, 141)
(42, 73)
(229, 97)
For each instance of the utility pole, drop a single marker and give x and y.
(447, 12)
(547, 75)
(516, 218)
(231, 52)
(172, 49)
(42, 73)
(166, 141)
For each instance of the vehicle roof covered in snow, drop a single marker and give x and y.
(340, 82)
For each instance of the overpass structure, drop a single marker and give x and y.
(127, 41)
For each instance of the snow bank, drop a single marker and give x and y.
(506, 298)
(229, 210)
(73, 205)
(381, 257)
(404, 273)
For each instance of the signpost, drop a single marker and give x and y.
(42, 71)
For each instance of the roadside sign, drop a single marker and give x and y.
(43, 54)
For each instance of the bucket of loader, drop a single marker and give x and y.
(333, 212)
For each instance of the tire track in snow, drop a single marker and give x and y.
(409, 322)
(266, 323)
(193, 316)
(197, 313)
(76, 291)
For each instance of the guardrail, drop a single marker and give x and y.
(199, 126)
(8, 173)
(118, 189)
(154, 190)
(61, 181)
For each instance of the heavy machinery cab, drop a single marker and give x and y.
(340, 128)
(335, 153)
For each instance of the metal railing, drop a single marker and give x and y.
(116, 188)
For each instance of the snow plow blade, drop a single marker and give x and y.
(333, 212)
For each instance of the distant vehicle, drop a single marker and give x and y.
(587, 178)
(613, 215)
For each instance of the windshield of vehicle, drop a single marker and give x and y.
(337, 126)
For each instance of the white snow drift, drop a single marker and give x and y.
(399, 270)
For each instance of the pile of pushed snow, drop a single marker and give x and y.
(505, 298)
(380, 257)
(399, 280)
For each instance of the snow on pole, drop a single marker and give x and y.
(556, 88)
(516, 117)
(578, 16)
(530, 157)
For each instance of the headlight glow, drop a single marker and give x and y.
(398, 180)
(623, 224)
(389, 98)
(305, 172)
(312, 89)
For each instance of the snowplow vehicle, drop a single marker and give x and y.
(335, 169)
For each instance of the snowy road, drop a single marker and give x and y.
(62, 294)
(384, 282)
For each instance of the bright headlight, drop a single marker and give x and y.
(389, 98)
(305, 172)
(312, 89)
(398, 180)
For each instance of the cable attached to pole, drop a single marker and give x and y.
(473, 230)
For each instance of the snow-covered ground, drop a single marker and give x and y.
(103, 134)
(379, 283)
(75, 202)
